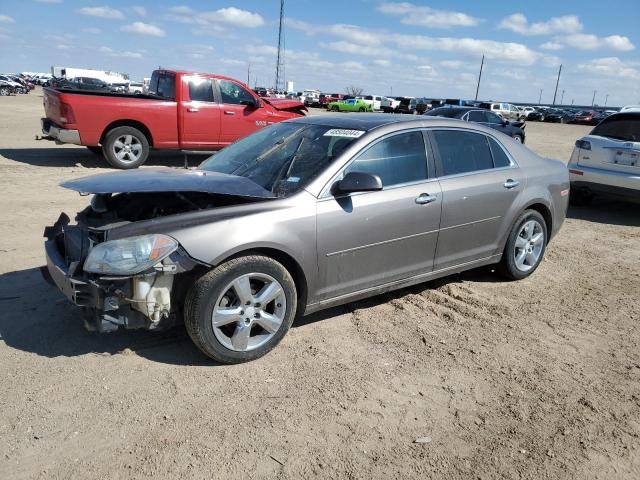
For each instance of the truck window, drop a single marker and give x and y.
(233, 93)
(163, 84)
(200, 89)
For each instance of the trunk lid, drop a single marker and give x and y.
(610, 153)
(164, 179)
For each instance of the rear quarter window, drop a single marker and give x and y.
(462, 152)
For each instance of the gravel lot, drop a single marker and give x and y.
(534, 379)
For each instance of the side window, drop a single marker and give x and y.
(233, 93)
(200, 89)
(493, 118)
(476, 116)
(462, 152)
(495, 107)
(397, 159)
(500, 158)
(167, 86)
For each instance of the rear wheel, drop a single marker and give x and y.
(126, 147)
(525, 246)
(241, 309)
(4, 91)
(361, 109)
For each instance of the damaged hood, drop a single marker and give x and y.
(284, 103)
(165, 179)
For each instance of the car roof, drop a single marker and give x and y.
(371, 121)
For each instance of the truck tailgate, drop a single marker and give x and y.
(51, 102)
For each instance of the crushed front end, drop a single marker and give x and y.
(142, 297)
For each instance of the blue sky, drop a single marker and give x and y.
(415, 48)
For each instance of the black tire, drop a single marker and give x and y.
(335, 108)
(507, 265)
(204, 293)
(518, 138)
(4, 91)
(108, 147)
(580, 197)
(361, 109)
(96, 150)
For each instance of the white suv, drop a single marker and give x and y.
(607, 160)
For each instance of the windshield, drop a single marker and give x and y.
(283, 158)
(620, 127)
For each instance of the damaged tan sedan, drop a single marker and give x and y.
(301, 216)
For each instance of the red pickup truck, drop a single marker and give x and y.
(182, 111)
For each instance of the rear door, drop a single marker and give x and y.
(480, 184)
(368, 239)
(239, 117)
(199, 113)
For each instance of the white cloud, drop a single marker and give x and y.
(454, 64)
(518, 23)
(140, 11)
(612, 67)
(585, 41)
(382, 63)
(6, 19)
(102, 12)
(355, 49)
(120, 54)
(261, 50)
(552, 46)
(141, 28)
(182, 10)
(426, 16)
(92, 30)
(215, 22)
(237, 17)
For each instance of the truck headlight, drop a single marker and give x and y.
(129, 256)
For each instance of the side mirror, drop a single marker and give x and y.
(357, 182)
(251, 103)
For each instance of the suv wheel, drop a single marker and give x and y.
(126, 147)
(525, 246)
(241, 309)
(518, 138)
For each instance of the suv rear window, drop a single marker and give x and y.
(622, 126)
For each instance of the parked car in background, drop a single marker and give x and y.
(350, 105)
(327, 98)
(311, 98)
(338, 208)
(628, 108)
(507, 111)
(83, 83)
(481, 116)
(527, 110)
(586, 117)
(6, 88)
(419, 105)
(374, 100)
(389, 104)
(607, 161)
(16, 87)
(135, 88)
(558, 115)
(538, 114)
(404, 105)
(182, 111)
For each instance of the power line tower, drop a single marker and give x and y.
(280, 59)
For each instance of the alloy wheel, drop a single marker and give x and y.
(529, 245)
(249, 312)
(127, 148)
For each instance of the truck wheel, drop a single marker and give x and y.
(126, 147)
(96, 150)
(241, 309)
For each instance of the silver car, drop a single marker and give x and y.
(301, 216)
(607, 161)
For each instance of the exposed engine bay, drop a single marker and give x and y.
(148, 299)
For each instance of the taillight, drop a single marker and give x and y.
(66, 113)
(583, 144)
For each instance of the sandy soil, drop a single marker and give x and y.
(535, 379)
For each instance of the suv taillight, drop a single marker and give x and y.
(583, 144)
(66, 113)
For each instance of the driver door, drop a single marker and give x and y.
(237, 118)
(368, 239)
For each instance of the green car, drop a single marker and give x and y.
(351, 105)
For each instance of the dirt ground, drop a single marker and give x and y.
(528, 380)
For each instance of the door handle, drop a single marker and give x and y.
(425, 198)
(229, 112)
(511, 184)
(193, 109)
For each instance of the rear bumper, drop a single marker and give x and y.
(606, 181)
(59, 134)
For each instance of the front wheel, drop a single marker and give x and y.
(241, 309)
(518, 138)
(525, 246)
(361, 109)
(4, 92)
(126, 147)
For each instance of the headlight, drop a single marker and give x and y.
(129, 256)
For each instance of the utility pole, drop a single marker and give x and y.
(540, 97)
(479, 77)
(593, 100)
(557, 82)
(562, 97)
(391, 90)
(280, 59)
(249, 74)
(606, 99)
